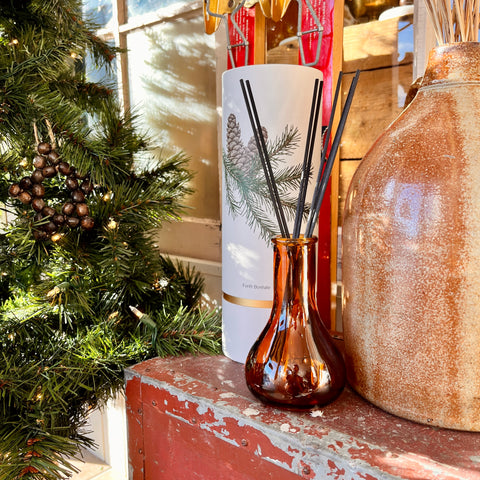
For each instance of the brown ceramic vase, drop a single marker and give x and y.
(411, 253)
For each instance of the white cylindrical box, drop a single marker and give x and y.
(283, 97)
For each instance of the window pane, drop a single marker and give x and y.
(100, 11)
(378, 40)
(140, 7)
(101, 74)
(172, 85)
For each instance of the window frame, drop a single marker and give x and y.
(200, 238)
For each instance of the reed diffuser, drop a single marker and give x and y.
(326, 162)
(294, 362)
(411, 243)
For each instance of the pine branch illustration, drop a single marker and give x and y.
(257, 216)
(233, 175)
(288, 179)
(245, 185)
(284, 145)
(248, 196)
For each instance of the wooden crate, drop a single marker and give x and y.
(193, 418)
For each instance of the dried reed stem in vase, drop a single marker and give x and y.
(454, 20)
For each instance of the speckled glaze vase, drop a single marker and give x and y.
(411, 253)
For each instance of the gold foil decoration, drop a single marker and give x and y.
(274, 9)
(214, 10)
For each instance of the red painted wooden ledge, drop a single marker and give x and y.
(193, 418)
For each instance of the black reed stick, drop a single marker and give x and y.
(307, 160)
(317, 201)
(330, 123)
(263, 153)
(326, 141)
(268, 166)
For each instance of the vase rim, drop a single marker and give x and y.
(452, 63)
(455, 45)
(294, 241)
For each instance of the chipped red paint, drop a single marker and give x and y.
(366, 476)
(335, 472)
(135, 427)
(193, 418)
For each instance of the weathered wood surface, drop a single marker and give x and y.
(194, 418)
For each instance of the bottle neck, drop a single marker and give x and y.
(453, 63)
(295, 269)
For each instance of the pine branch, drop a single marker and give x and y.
(66, 328)
(179, 281)
(34, 68)
(187, 331)
(35, 454)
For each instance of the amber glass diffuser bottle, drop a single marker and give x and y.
(294, 362)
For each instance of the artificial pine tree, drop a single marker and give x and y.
(83, 290)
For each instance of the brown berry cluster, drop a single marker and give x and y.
(31, 191)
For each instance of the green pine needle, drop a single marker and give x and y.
(67, 331)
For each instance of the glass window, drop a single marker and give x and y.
(95, 73)
(100, 11)
(171, 76)
(142, 7)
